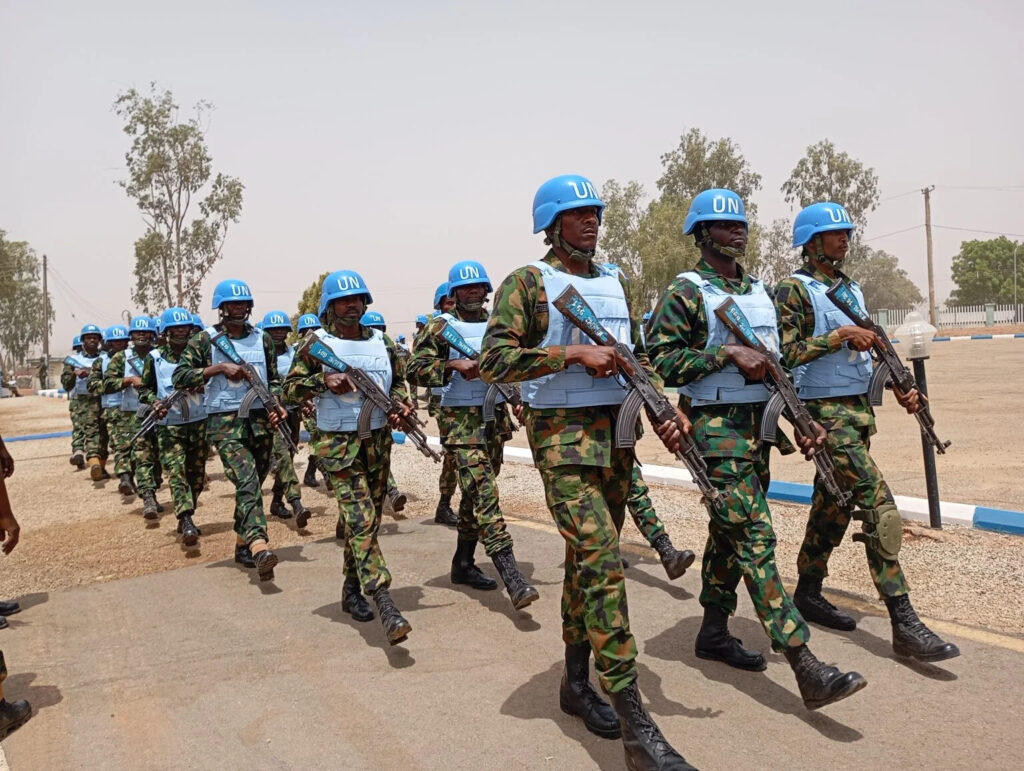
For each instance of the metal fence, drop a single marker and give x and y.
(955, 316)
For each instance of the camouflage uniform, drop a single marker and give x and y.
(83, 408)
(99, 431)
(182, 448)
(850, 422)
(586, 479)
(245, 446)
(641, 509)
(285, 478)
(142, 458)
(741, 542)
(358, 468)
(448, 481)
(476, 447)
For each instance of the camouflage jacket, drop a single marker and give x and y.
(68, 378)
(147, 391)
(305, 380)
(457, 425)
(97, 382)
(113, 380)
(799, 346)
(510, 354)
(679, 332)
(197, 356)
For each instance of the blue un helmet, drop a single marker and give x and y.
(342, 283)
(467, 273)
(421, 319)
(115, 332)
(714, 205)
(648, 316)
(76, 342)
(400, 339)
(277, 320)
(231, 290)
(90, 329)
(197, 321)
(259, 325)
(176, 317)
(819, 218)
(440, 293)
(373, 319)
(307, 321)
(559, 194)
(142, 324)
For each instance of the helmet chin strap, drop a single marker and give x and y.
(222, 312)
(729, 252)
(576, 255)
(818, 253)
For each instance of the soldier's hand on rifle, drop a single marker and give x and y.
(395, 418)
(671, 431)
(599, 360)
(517, 411)
(811, 444)
(232, 371)
(160, 410)
(132, 380)
(82, 372)
(277, 415)
(307, 409)
(858, 338)
(338, 383)
(911, 401)
(750, 362)
(468, 368)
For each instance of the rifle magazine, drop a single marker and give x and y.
(876, 387)
(625, 424)
(770, 419)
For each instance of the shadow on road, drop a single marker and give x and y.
(676, 644)
(882, 648)
(20, 686)
(496, 601)
(31, 600)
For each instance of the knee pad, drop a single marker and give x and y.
(882, 530)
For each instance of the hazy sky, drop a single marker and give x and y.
(397, 138)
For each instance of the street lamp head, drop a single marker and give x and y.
(915, 337)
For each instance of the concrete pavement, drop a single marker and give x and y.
(204, 667)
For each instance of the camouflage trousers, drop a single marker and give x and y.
(826, 526)
(94, 427)
(448, 481)
(741, 544)
(245, 447)
(285, 480)
(641, 509)
(359, 471)
(183, 457)
(75, 407)
(478, 467)
(143, 456)
(588, 504)
(118, 431)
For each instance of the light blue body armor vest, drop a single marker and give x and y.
(573, 387)
(164, 371)
(461, 392)
(130, 396)
(728, 385)
(81, 362)
(109, 401)
(843, 373)
(223, 395)
(340, 413)
(284, 363)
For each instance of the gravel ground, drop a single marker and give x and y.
(76, 532)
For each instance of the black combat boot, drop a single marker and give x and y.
(576, 696)
(519, 590)
(277, 507)
(339, 530)
(13, 715)
(243, 556)
(715, 643)
(124, 484)
(396, 499)
(819, 683)
(78, 460)
(646, 748)
(673, 560)
(301, 512)
(309, 478)
(464, 569)
(443, 514)
(353, 601)
(187, 528)
(327, 478)
(265, 562)
(149, 507)
(9, 608)
(910, 637)
(395, 627)
(815, 608)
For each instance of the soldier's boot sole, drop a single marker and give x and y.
(96, 471)
(190, 538)
(266, 561)
(13, 720)
(526, 596)
(849, 684)
(397, 631)
(397, 500)
(677, 565)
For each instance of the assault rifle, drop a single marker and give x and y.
(149, 413)
(509, 390)
(784, 398)
(257, 388)
(888, 367)
(640, 393)
(373, 397)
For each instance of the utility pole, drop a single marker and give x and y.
(46, 318)
(928, 235)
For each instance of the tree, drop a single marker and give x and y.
(884, 283)
(827, 175)
(699, 163)
(776, 257)
(21, 300)
(168, 168)
(621, 222)
(983, 272)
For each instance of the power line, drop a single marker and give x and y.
(899, 195)
(895, 232)
(975, 230)
(1003, 188)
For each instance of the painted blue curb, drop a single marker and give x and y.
(943, 339)
(981, 337)
(790, 491)
(1018, 335)
(1000, 520)
(27, 437)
